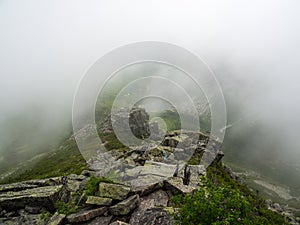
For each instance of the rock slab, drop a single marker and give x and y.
(56, 219)
(86, 215)
(125, 207)
(40, 196)
(113, 191)
(94, 200)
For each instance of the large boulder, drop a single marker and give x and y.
(138, 122)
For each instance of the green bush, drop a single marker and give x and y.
(222, 200)
(213, 205)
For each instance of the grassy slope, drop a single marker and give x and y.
(65, 160)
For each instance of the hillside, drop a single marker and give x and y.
(170, 194)
(231, 201)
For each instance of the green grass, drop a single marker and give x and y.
(45, 215)
(172, 120)
(112, 142)
(63, 161)
(66, 208)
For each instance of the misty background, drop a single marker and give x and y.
(253, 47)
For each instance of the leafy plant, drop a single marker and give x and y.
(45, 215)
(213, 205)
(222, 200)
(66, 208)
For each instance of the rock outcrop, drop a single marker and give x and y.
(30, 198)
(147, 165)
(145, 180)
(286, 211)
(137, 118)
(140, 203)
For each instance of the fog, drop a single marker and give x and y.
(253, 47)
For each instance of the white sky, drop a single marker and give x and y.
(46, 46)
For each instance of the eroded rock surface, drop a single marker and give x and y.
(152, 216)
(38, 196)
(56, 219)
(113, 191)
(126, 206)
(86, 215)
(95, 200)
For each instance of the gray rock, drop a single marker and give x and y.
(30, 184)
(86, 215)
(16, 187)
(153, 216)
(175, 185)
(40, 196)
(194, 172)
(268, 203)
(157, 169)
(56, 219)
(73, 185)
(181, 155)
(33, 209)
(119, 223)
(156, 199)
(138, 122)
(102, 220)
(72, 176)
(277, 207)
(23, 220)
(113, 191)
(11, 214)
(126, 206)
(142, 190)
(2, 212)
(218, 157)
(94, 200)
